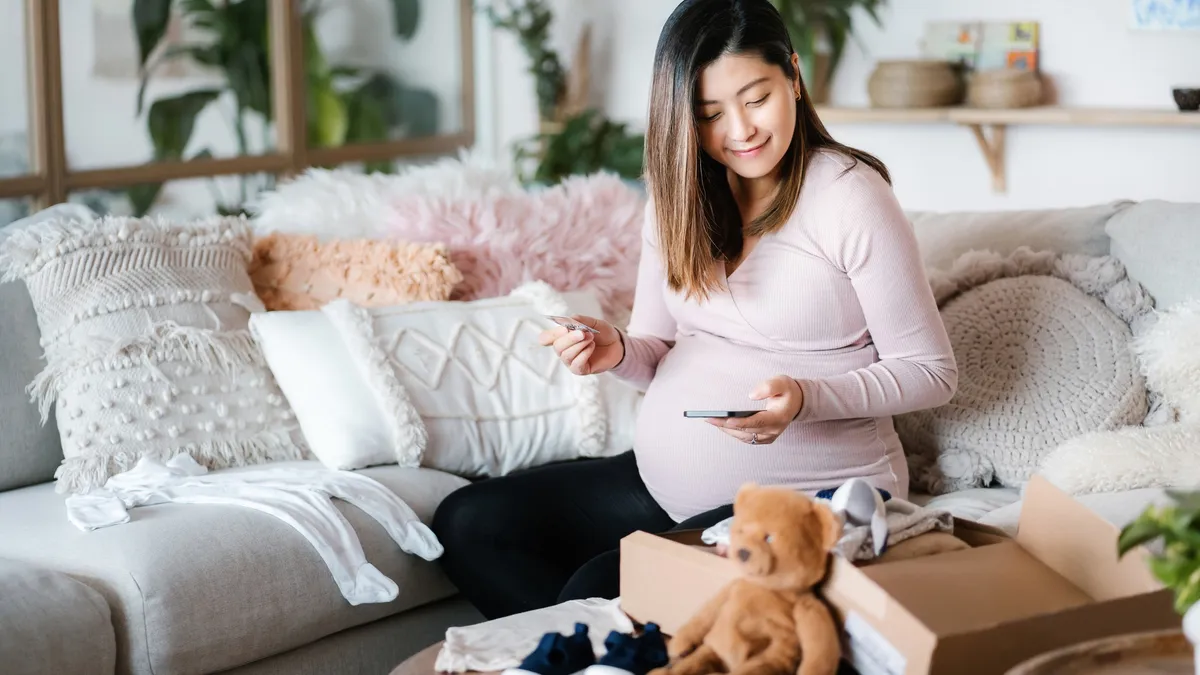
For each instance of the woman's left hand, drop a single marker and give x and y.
(784, 401)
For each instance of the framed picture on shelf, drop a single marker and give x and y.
(983, 45)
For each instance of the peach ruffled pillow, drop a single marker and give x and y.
(300, 272)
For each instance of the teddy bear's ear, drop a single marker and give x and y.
(743, 492)
(831, 526)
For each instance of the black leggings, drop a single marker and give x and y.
(549, 534)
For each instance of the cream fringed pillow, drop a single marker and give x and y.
(144, 324)
(299, 272)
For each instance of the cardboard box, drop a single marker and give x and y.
(979, 610)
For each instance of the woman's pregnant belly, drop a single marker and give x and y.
(690, 466)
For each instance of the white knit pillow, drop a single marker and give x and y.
(467, 389)
(144, 326)
(1042, 346)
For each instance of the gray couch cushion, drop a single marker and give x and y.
(944, 236)
(202, 588)
(51, 623)
(29, 451)
(1159, 243)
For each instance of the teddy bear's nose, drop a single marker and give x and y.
(743, 554)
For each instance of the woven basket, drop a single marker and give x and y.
(1005, 88)
(914, 84)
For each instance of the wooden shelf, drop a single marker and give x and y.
(991, 142)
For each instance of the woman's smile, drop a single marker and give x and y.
(750, 152)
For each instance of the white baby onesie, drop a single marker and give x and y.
(299, 496)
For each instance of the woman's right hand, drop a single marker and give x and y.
(586, 353)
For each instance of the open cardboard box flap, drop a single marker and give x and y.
(976, 610)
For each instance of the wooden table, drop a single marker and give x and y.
(1156, 653)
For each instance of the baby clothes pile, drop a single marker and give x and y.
(298, 495)
(870, 522)
(559, 640)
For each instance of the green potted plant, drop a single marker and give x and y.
(573, 137)
(820, 30)
(344, 104)
(1177, 527)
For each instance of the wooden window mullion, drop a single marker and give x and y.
(46, 100)
(288, 83)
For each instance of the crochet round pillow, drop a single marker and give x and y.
(1042, 346)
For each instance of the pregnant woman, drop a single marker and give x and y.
(778, 273)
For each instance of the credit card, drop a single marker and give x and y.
(571, 324)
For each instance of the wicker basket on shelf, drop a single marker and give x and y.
(1004, 88)
(914, 84)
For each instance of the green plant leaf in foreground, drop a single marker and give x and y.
(1146, 528)
(1176, 525)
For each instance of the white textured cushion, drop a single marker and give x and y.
(944, 236)
(1159, 242)
(144, 327)
(342, 422)
(1042, 346)
(467, 389)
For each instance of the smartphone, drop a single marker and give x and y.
(571, 324)
(720, 413)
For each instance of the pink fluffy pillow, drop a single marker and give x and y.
(582, 234)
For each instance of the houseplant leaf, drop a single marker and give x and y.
(328, 120)
(1146, 528)
(420, 111)
(196, 52)
(406, 14)
(172, 120)
(142, 197)
(243, 44)
(249, 79)
(150, 19)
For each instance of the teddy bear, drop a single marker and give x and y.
(768, 621)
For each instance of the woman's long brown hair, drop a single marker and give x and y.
(699, 224)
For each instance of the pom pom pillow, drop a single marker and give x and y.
(302, 272)
(144, 324)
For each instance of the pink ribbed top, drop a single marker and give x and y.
(837, 299)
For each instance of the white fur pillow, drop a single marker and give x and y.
(1141, 457)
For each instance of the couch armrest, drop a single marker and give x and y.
(51, 623)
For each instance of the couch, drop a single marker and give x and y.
(188, 588)
(200, 589)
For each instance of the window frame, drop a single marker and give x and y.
(53, 180)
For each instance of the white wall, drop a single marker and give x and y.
(1093, 58)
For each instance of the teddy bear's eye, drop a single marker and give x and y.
(770, 538)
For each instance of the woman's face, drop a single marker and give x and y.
(746, 113)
